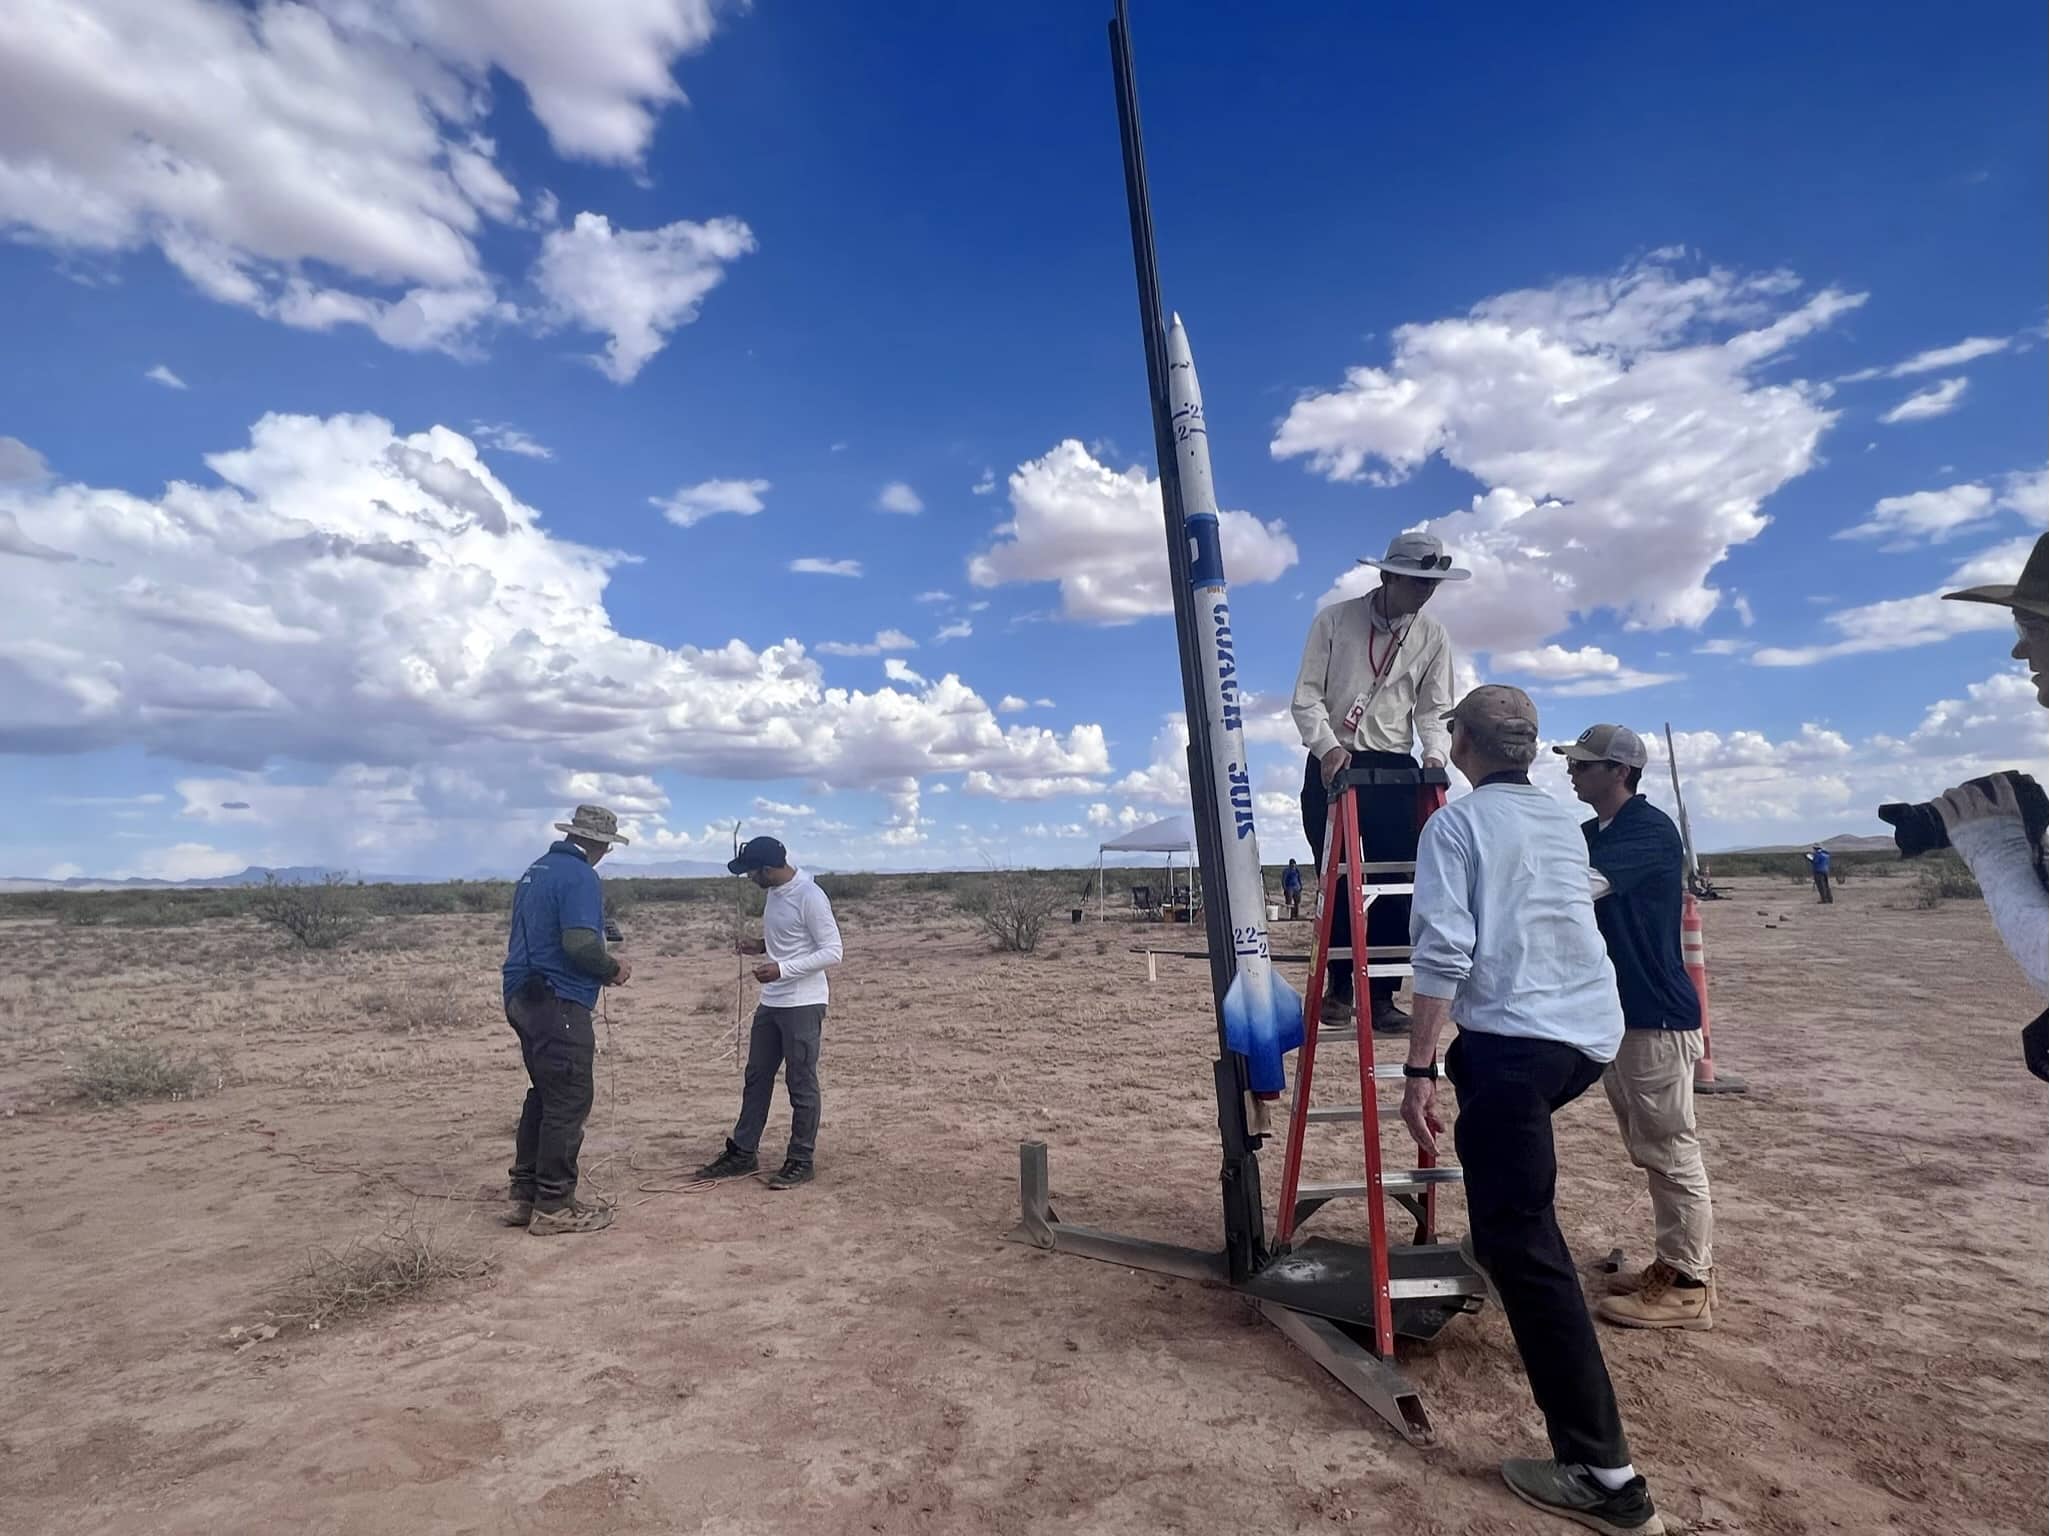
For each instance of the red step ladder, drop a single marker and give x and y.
(1416, 1188)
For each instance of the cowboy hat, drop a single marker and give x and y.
(2028, 595)
(1417, 554)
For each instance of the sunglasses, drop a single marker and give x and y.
(1425, 562)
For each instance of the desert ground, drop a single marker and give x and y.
(869, 1354)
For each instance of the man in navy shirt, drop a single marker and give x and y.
(555, 961)
(1639, 889)
(1291, 888)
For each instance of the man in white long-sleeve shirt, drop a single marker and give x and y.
(1507, 946)
(1374, 680)
(800, 939)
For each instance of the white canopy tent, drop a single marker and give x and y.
(1174, 835)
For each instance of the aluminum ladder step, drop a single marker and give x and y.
(1410, 1181)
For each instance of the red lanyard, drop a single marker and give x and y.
(1395, 638)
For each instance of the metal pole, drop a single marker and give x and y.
(1244, 1214)
(1679, 801)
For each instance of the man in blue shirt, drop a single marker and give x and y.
(1639, 895)
(1291, 888)
(555, 961)
(1818, 857)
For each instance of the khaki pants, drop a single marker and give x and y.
(1650, 1086)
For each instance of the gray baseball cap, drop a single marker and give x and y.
(1607, 744)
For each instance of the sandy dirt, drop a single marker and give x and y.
(869, 1354)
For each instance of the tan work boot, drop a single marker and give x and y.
(1659, 1301)
(570, 1218)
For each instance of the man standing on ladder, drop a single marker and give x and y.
(1375, 678)
(1506, 947)
(1640, 889)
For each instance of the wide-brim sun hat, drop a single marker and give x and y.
(1420, 555)
(594, 824)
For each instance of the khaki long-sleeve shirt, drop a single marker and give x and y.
(1345, 641)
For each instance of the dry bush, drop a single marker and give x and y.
(323, 915)
(1943, 877)
(1012, 907)
(420, 1011)
(398, 1264)
(120, 1071)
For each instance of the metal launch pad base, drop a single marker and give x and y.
(1319, 1293)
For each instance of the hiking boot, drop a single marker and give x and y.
(791, 1175)
(729, 1164)
(1660, 1301)
(572, 1217)
(517, 1213)
(1336, 1010)
(1388, 1019)
(1577, 1495)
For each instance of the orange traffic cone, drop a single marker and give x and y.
(1693, 946)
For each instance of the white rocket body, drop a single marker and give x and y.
(1262, 1013)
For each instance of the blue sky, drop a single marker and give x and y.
(458, 313)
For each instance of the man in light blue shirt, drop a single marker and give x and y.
(1506, 946)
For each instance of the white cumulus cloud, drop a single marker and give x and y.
(378, 621)
(1930, 516)
(899, 498)
(692, 504)
(885, 640)
(1970, 349)
(1586, 671)
(1098, 533)
(635, 285)
(320, 163)
(1621, 427)
(507, 438)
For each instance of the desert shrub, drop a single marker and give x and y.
(321, 915)
(846, 888)
(421, 1011)
(399, 1263)
(81, 912)
(1012, 906)
(120, 1071)
(1940, 877)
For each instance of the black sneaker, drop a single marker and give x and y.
(1575, 1494)
(793, 1173)
(729, 1164)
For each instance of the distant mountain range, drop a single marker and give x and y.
(1843, 842)
(307, 874)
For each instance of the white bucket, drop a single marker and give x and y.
(1273, 914)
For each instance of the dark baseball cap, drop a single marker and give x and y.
(759, 853)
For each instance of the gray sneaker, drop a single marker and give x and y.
(1573, 1493)
(572, 1217)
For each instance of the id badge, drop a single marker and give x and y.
(1356, 713)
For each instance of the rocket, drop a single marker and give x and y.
(1262, 1013)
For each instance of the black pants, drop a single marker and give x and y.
(1387, 831)
(788, 1038)
(1828, 897)
(560, 1050)
(1508, 1089)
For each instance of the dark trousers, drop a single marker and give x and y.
(1508, 1089)
(1828, 897)
(1387, 831)
(788, 1038)
(560, 1050)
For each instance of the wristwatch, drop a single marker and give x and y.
(1429, 1072)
